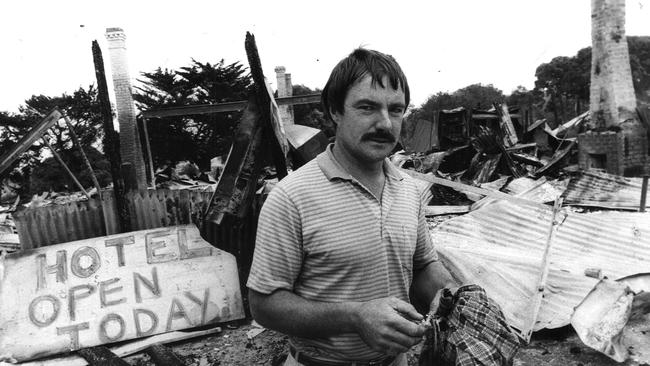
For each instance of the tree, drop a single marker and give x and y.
(82, 109)
(521, 96)
(48, 175)
(477, 96)
(472, 96)
(197, 138)
(639, 48)
(11, 129)
(566, 80)
(311, 114)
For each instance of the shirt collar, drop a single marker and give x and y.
(333, 169)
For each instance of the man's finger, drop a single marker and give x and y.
(407, 310)
(409, 328)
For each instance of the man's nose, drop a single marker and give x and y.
(384, 120)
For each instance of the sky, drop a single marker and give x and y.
(442, 46)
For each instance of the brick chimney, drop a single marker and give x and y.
(618, 143)
(612, 98)
(285, 89)
(130, 147)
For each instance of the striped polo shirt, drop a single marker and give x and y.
(325, 237)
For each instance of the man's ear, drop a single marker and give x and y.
(335, 117)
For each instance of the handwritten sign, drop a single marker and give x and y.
(102, 290)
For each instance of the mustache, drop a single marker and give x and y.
(379, 135)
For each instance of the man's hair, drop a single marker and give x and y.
(359, 63)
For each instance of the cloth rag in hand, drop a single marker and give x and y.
(468, 329)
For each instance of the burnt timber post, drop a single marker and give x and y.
(263, 100)
(256, 132)
(111, 141)
(238, 181)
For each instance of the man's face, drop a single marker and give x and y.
(370, 124)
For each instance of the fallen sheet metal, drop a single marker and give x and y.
(559, 154)
(615, 318)
(500, 248)
(539, 190)
(599, 189)
(600, 318)
(571, 128)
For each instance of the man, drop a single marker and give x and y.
(341, 240)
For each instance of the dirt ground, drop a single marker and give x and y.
(234, 347)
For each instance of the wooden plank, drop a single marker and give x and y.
(28, 140)
(536, 301)
(128, 348)
(505, 122)
(445, 210)
(521, 146)
(115, 288)
(482, 191)
(225, 107)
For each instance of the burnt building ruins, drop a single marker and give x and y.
(618, 141)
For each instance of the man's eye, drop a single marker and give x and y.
(397, 111)
(366, 107)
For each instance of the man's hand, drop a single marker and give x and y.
(389, 325)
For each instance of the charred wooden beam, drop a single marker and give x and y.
(238, 180)
(101, 356)
(163, 356)
(84, 157)
(65, 167)
(644, 193)
(505, 122)
(271, 126)
(225, 107)
(28, 140)
(111, 140)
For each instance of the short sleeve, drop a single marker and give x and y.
(277, 259)
(425, 252)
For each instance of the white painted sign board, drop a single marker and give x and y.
(114, 288)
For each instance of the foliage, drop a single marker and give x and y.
(475, 96)
(311, 114)
(50, 176)
(521, 96)
(639, 48)
(565, 80)
(565, 83)
(196, 138)
(82, 109)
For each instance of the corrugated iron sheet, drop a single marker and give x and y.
(425, 136)
(541, 190)
(599, 189)
(55, 224)
(500, 248)
(148, 208)
(157, 208)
